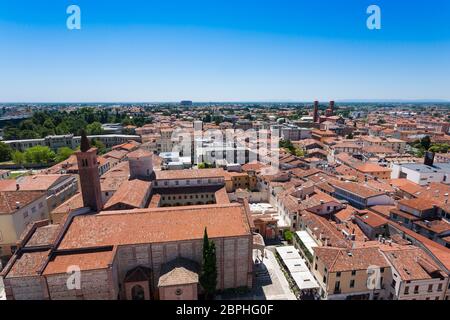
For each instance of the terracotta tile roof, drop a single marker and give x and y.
(84, 260)
(74, 202)
(190, 174)
(253, 166)
(68, 164)
(154, 225)
(358, 189)
(116, 154)
(132, 193)
(346, 213)
(41, 182)
(154, 201)
(122, 169)
(437, 193)
(28, 264)
(289, 202)
(437, 226)
(418, 203)
(347, 145)
(179, 271)
(405, 185)
(316, 199)
(346, 171)
(129, 146)
(139, 153)
(371, 167)
(43, 236)
(320, 226)
(301, 173)
(8, 185)
(382, 210)
(378, 149)
(372, 219)
(413, 264)
(339, 259)
(404, 214)
(111, 183)
(9, 200)
(221, 196)
(440, 252)
(380, 185)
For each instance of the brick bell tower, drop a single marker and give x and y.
(89, 177)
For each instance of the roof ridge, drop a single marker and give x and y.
(185, 208)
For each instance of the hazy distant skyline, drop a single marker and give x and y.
(232, 51)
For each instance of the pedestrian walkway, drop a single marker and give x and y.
(279, 290)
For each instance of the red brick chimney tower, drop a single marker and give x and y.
(316, 111)
(89, 177)
(332, 107)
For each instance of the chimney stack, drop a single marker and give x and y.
(429, 158)
(316, 111)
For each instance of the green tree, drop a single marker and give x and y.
(18, 157)
(5, 152)
(28, 125)
(95, 128)
(39, 155)
(439, 148)
(127, 121)
(425, 142)
(63, 153)
(299, 152)
(48, 123)
(62, 128)
(288, 236)
(29, 134)
(287, 144)
(204, 165)
(101, 149)
(11, 133)
(208, 275)
(207, 118)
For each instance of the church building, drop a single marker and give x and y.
(134, 247)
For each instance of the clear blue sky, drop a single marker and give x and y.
(223, 50)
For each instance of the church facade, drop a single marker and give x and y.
(136, 254)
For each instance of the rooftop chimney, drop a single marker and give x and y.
(332, 106)
(17, 187)
(316, 111)
(429, 158)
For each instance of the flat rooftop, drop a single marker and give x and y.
(420, 167)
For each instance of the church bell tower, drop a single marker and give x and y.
(89, 176)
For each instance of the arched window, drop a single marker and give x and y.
(137, 293)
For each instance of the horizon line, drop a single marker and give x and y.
(236, 101)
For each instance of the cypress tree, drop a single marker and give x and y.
(208, 276)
